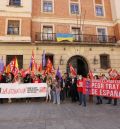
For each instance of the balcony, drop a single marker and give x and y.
(77, 38)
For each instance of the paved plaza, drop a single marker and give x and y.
(41, 115)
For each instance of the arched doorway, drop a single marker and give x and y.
(80, 64)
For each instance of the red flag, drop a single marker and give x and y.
(49, 66)
(40, 68)
(110, 72)
(32, 74)
(5, 68)
(36, 66)
(53, 70)
(113, 73)
(21, 71)
(25, 72)
(90, 74)
(33, 62)
(72, 70)
(11, 66)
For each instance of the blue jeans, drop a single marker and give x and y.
(58, 97)
(82, 98)
(54, 97)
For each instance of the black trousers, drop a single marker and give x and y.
(1, 101)
(110, 101)
(99, 100)
(74, 95)
(62, 95)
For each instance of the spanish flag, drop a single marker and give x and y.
(16, 69)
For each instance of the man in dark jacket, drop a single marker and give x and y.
(28, 79)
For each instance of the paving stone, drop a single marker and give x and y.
(65, 116)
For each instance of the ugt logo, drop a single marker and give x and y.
(43, 89)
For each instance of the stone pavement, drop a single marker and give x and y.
(40, 115)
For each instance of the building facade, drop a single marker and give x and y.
(27, 25)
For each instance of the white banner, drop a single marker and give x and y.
(14, 90)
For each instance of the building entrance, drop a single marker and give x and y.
(80, 65)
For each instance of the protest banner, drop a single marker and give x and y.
(106, 88)
(14, 90)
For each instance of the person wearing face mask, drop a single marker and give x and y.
(82, 96)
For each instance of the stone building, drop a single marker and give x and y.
(27, 25)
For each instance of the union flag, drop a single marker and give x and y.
(113, 73)
(25, 72)
(11, 66)
(49, 67)
(72, 70)
(40, 68)
(91, 74)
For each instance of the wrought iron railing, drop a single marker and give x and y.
(77, 38)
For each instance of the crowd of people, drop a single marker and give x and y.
(59, 88)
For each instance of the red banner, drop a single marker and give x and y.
(107, 88)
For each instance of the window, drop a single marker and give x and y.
(102, 37)
(9, 58)
(74, 8)
(47, 33)
(105, 61)
(47, 6)
(15, 2)
(76, 34)
(13, 27)
(99, 10)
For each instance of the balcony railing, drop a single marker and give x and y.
(77, 38)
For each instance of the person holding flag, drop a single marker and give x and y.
(82, 96)
(62, 84)
(49, 83)
(113, 75)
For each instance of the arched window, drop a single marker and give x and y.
(104, 61)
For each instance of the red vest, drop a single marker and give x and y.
(80, 85)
